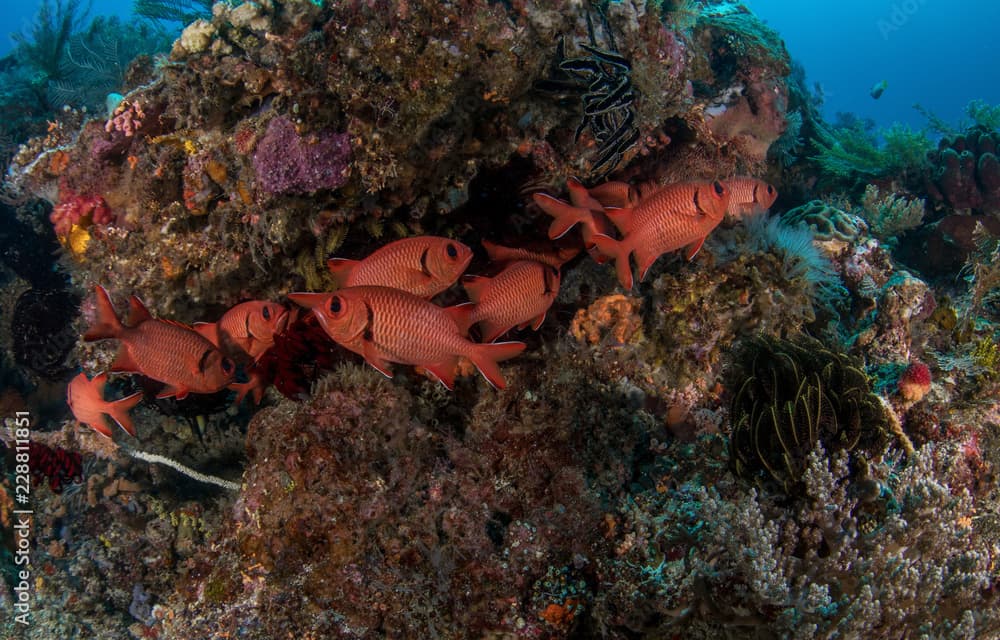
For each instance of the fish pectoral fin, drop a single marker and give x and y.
(171, 391)
(124, 362)
(536, 323)
(375, 359)
(418, 275)
(444, 371)
(694, 248)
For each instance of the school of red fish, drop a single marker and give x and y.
(382, 308)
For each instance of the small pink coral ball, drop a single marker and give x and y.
(915, 382)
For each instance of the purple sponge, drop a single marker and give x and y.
(286, 162)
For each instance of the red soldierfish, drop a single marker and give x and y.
(166, 351)
(678, 215)
(86, 400)
(557, 257)
(388, 325)
(423, 265)
(248, 328)
(520, 295)
(749, 196)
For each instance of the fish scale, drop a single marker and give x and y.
(674, 198)
(749, 195)
(421, 265)
(392, 315)
(676, 216)
(520, 293)
(144, 344)
(387, 325)
(165, 351)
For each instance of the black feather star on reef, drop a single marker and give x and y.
(603, 80)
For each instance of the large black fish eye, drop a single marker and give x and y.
(770, 189)
(335, 305)
(452, 251)
(266, 313)
(227, 365)
(719, 189)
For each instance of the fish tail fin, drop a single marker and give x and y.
(107, 324)
(462, 315)
(619, 252)
(340, 269)
(487, 356)
(118, 410)
(566, 215)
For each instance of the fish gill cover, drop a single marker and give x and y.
(788, 429)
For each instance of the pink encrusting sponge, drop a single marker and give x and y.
(915, 382)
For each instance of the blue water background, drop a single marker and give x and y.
(18, 16)
(939, 53)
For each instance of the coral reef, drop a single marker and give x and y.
(890, 215)
(673, 462)
(286, 163)
(833, 228)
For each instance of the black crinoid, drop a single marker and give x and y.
(602, 77)
(791, 394)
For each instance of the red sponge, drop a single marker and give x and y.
(915, 382)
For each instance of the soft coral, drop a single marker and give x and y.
(79, 210)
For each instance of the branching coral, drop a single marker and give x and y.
(890, 215)
(883, 556)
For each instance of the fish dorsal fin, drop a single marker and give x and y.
(462, 315)
(208, 330)
(340, 269)
(496, 252)
(621, 218)
(137, 312)
(182, 325)
(475, 286)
